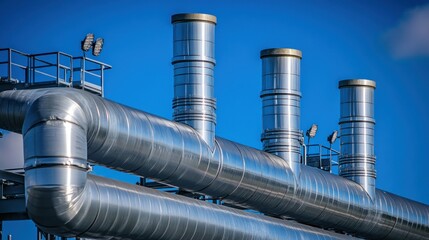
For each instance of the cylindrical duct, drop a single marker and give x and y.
(281, 98)
(63, 200)
(194, 103)
(101, 208)
(133, 141)
(357, 159)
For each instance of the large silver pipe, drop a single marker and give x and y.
(107, 209)
(281, 104)
(194, 103)
(63, 200)
(357, 159)
(130, 140)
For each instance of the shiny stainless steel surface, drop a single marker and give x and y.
(133, 141)
(194, 103)
(63, 200)
(281, 104)
(357, 158)
(107, 209)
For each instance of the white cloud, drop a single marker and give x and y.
(410, 38)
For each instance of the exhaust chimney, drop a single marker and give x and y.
(194, 103)
(281, 99)
(357, 159)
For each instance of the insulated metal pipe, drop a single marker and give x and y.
(281, 98)
(133, 141)
(63, 200)
(108, 209)
(194, 103)
(357, 158)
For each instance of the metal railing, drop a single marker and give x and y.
(90, 68)
(52, 69)
(14, 68)
(321, 156)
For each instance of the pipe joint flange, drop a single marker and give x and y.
(56, 161)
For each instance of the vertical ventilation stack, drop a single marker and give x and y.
(281, 99)
(357, 159)
(194, 103)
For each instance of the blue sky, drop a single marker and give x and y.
(386, 41)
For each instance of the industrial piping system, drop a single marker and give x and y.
(194, 103)
(174, 153)
(63, 200)
(357, 159)
(281, 104)
(133, 141)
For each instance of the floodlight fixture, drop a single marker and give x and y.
(333, 137)
(87, 43)
(98, 46)
(311, 132)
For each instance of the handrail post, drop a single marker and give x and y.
(9, 65)
(82, 75)
(71, 71)
(305, 153)
(330, 157)
(58, 68)
(27, 70)
(102, 80)
(33, 69)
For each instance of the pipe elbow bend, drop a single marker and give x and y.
(54, 106)
(55, 155)
(57, 200)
